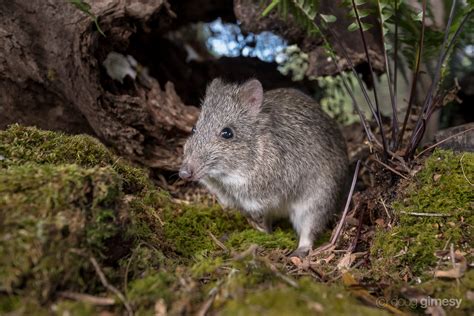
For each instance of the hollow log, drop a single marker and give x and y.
(51, 76)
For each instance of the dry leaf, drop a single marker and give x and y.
(380, 222)
(296, 261)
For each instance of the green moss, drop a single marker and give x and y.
(17, 305)
(64, 199)
(440, 187)
(189, 228)
(144, 292)
(47, 210)
(283, 239)
(19, 144)
(310, 298)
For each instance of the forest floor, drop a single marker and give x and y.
(83, 232)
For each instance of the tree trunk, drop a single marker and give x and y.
(51, 76)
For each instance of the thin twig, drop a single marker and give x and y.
(425, 214)
(390, 168)
(337, 232)
(205, 307)
(442, 141)
(415, 75)
(110, 287)
(376, 99)
(335, 237)
(218, 242)
(250, 251)
(280, 275)
(94, 300)
(462, 168)
(386, 212)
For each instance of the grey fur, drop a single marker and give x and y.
(288, 159)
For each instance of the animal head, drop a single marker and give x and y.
(223, 142)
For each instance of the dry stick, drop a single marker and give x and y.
(376, 99)
(442, 141)
(205, 307)
(391, 169)
(218, 242)
(386, 212)
(425, 214)
(389, 80)
(346, 208)
(416, 138)
(110, 287)
(415, 75)
(94, 300)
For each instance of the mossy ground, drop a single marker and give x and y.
(405, 254)
(67, 199)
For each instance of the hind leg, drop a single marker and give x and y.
(303, 224)
(308, 219)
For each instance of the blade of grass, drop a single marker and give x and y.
(415, 75)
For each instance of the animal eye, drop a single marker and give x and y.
(227, 133)
(193, 130)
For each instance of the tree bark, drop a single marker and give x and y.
(51, 76)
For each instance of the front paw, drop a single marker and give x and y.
(301, 252)
(259, 225)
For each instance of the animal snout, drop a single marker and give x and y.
(186, 172)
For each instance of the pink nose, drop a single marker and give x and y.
(185, 173)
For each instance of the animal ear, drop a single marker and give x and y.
(251, 95)
(215, 84)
